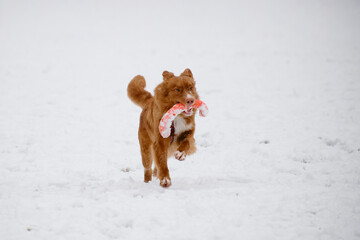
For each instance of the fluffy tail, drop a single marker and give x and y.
(136, 91)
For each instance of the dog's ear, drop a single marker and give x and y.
(167, 75)
(187, 73)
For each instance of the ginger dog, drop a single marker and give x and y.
(173, 90)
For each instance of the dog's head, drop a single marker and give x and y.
(178, 89)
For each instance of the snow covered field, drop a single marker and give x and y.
(278, 156)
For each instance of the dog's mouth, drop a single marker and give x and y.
(188, 112)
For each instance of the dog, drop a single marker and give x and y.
(181, 143)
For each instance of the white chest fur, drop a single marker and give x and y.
(180, 125)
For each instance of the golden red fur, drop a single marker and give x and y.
(153, 146)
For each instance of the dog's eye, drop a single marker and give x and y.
(191, 88)
(178, 89)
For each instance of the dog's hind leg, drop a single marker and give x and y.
(160, 155)
(154, 172)
(146, 155)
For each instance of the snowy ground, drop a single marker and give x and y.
(278, 156)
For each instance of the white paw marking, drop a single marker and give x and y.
(180, 155)
(165, 182)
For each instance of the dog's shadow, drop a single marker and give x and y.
(208, 183)
(139, 189)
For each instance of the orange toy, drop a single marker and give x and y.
(169, 116)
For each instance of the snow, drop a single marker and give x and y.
(278, 157)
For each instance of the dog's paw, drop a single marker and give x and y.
(180, 155)
(165, 182)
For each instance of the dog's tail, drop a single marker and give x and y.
(136, 91)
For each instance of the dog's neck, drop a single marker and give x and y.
(163, 106)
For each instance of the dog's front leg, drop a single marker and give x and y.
(186, 147)
(160, 152)
(180, 154)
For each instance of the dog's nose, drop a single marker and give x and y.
(190, 101)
